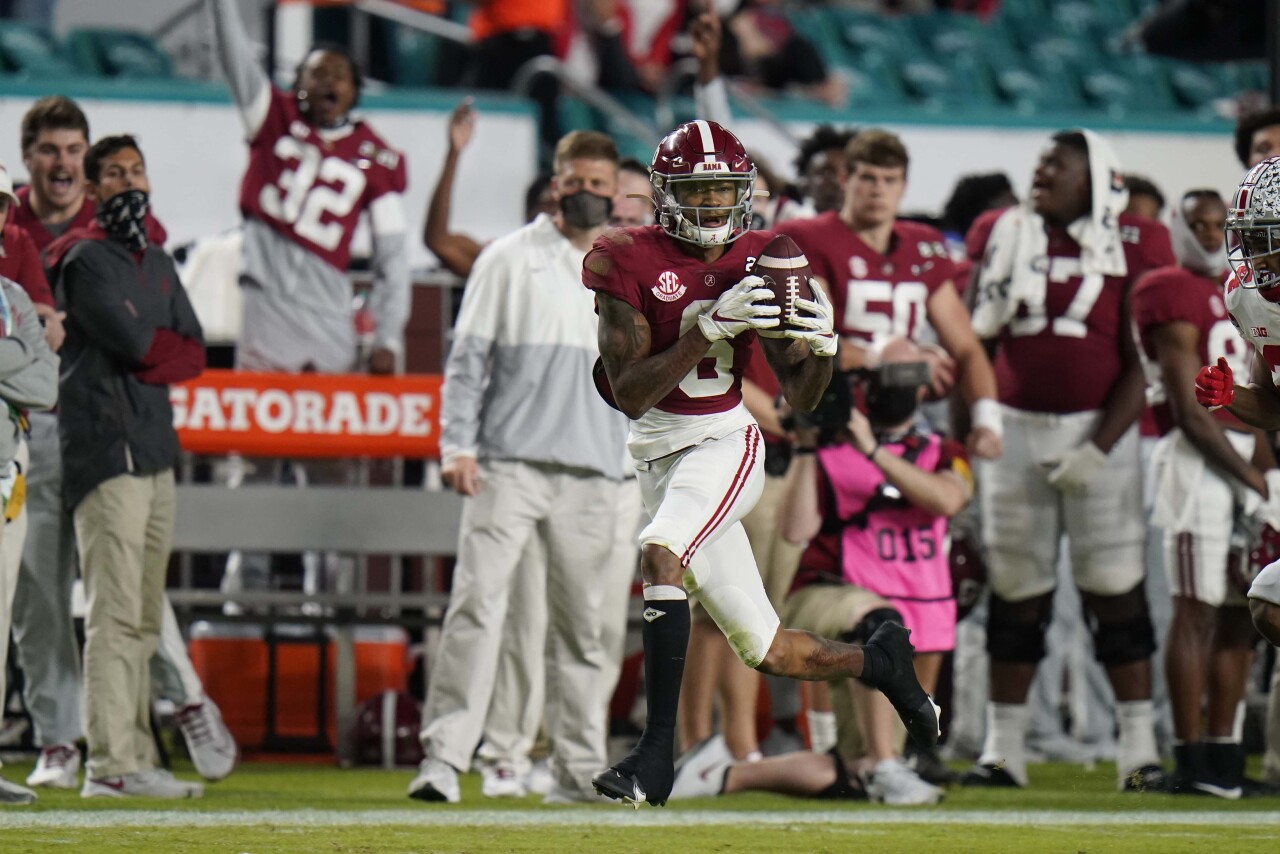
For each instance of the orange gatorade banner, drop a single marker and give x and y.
(308, 415)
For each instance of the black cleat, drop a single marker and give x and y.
(1148, 778)
(916, 708)
(989, 776)
(640, 778)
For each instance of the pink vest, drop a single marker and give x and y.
(900, 552)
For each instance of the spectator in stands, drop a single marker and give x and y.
(1257, 136)
(1145, 198)
(761, 47)
(28, 380)
(54, 138)
(552, 471)
(820, 171)
(1071, 464)
(131, 332)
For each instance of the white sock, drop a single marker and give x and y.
(822, 730)
(1137, 743)
(1005, 745)
(1237, 728)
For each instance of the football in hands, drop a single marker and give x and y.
(786, 272)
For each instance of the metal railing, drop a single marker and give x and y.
(594, 96)
(686, 70)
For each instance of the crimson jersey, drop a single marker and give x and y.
(875, 296)
(312, 185)
(1065, 355)
(645, 268)
(1177, 295)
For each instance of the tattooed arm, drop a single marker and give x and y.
(802, 375)
(639, 380)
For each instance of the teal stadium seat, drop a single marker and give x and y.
(30, 51)
(118, 53)
(414, 56)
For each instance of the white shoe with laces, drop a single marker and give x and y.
(700, 772)
(57, 768)
(213, 749)
(894, 783)
(436, 781)
(538, 781)
(502, 780)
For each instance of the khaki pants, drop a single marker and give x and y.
(573, 512)
(124, 529)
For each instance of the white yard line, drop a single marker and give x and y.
(15, 818)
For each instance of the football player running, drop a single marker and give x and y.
(1253, 246)
(678, 312)
(1052, 294)
(1208, 467)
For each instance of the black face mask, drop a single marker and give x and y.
(585, 210)
(123, 218)
(889, 407)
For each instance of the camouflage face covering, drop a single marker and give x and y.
(123, 218)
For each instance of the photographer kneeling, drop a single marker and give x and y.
(871, 495)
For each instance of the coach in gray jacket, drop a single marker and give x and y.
(537, 453)
(130, 333)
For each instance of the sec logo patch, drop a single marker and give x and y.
(669, 287)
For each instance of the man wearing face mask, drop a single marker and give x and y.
(536, 453)
(131, 332)
(1208, 468)
(868, 497)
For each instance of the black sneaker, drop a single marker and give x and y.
(929, 766)
(646, 775)
(1148, 778)
(916, 708)
(989, 776)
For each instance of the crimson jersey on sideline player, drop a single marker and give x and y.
(875, 296)
(1178, 295)
(1066, 356)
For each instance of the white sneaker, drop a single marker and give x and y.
(213, 749)
(151, 783)
(11, 794)
(700, 772)
(57, 768)
(436, 781)
(538, 781)
(502, 780)
(894, 783)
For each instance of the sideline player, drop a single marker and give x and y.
(1052, 293)
(1208, 469)
(676, 315)
(894, 278)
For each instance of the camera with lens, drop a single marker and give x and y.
(890, 394)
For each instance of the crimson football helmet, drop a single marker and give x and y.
(386, 731)
(1253, 225)
(688, 157)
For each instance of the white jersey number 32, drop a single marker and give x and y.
(296, 198)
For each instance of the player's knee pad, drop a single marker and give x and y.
(1121, 627)
(1016, 630)
(872, 620)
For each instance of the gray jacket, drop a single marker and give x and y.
(28, 368)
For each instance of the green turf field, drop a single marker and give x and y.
(308, 808)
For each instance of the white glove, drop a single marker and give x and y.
(1073, 472)
(819, 322)
(747, 305)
